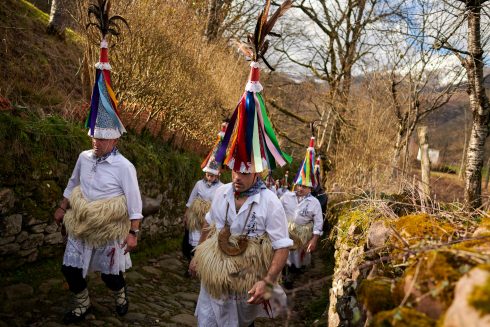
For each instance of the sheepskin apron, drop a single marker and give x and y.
(301, 235)
(226, 279)
(222, 274)
(96, 231)
(197, 213)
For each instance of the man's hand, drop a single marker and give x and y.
(58, 216)
(312, 244)
(130, 243)
(193, 267)
(257, 292)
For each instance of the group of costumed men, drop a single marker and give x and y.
(239, 230)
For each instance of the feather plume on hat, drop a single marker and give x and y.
(103, 120)
(210, 165)
(250, 140)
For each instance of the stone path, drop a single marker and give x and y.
(159, 295)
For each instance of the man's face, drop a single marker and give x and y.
(210, 178)
(102, 147)
(243, 181)
(302, 190)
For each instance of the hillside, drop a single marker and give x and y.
(37, 70)
(42, 133)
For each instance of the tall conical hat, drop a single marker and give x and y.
(210, 165)
(250, 140)
(103, 120)
(306, 173)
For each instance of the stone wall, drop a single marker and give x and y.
(29, 233)
(414, 269)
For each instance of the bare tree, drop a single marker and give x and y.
(470, 52)
(225, 19)
(333, 38)
(217, 12)
(58, 17)
(419, 80)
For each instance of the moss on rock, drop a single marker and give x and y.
(402, 317)
(360, 219)
(480, 296)
(375, 295)
(437, 275)
(416, 227)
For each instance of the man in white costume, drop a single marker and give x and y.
(250, 209)
(198, 204)
(282, 188)
(270, 183)
(102, 208)
(303, 209)
(304, 213)
(201, 196)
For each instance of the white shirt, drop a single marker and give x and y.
(303, 212)
(280, 191)
(113, 177)
(203, 191)
(267, 215)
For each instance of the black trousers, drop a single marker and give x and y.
(77, 283)
(187, 249)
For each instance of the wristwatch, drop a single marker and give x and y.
(135, 232)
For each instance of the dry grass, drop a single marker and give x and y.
(171, 81)
(362, 159)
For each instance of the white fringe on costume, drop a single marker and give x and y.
(197, 212)
(97, 222)
(107, 259)
(223, 275)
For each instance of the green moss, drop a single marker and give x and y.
(417, 227)
(402, 317)
(41, 70)
(375, 295)
(480, 298)
(31, 11)
(32, 273)
(438, 274)
(472, 245)
(485, 222)
(357, 217)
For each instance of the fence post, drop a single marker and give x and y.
(424, 162)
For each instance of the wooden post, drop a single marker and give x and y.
(425, 161)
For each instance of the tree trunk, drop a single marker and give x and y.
(216, 17)
(58, 18)
(424, 162)
(465, 144)
(479, 106)
(397, 151)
